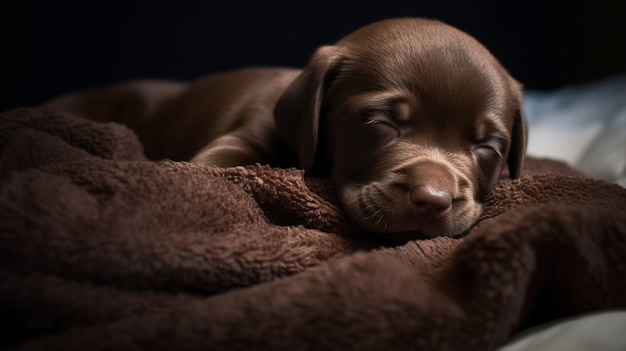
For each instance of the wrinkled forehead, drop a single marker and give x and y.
(439, 64)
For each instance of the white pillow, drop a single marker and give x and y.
(584, 125)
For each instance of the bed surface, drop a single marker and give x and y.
(583, 125)
(104, 249)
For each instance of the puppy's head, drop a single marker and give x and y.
(412, 119)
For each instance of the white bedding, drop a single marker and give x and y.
(583, 125)
(600, 331)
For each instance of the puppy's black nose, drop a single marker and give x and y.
(429, 200)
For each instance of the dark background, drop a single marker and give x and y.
(51, 47)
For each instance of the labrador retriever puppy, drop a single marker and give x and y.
(411, 119)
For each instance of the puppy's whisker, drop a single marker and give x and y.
(377, 214)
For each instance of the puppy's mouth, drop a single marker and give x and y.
(395, 212)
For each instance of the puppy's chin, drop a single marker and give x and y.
(386, 211)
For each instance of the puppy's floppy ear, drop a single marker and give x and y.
(519, 137)
(297, 112)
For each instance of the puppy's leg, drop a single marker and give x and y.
(228, 151)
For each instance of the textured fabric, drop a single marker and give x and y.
(101, 248)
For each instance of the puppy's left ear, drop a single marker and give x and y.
(519, 137)
(297, 112)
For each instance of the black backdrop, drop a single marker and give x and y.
(50, 47)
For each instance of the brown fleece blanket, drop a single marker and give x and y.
(103, 249)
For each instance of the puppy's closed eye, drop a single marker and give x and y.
(488, 148)
(489, 140)
(381, 123)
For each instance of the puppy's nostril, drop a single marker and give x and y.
(427, 199)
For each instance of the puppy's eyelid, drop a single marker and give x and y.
(491, 143)
(489, 135)
(496, 149)
(372, 116)
(490, 138)
(381, 118)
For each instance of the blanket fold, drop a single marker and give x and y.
(101, 249)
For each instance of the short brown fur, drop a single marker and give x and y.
(412, 119)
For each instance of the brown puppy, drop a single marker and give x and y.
(412, 119)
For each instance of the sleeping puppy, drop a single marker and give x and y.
(412, 120)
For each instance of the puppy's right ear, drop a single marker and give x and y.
(297, 113)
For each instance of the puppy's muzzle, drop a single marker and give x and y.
(421, 199)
